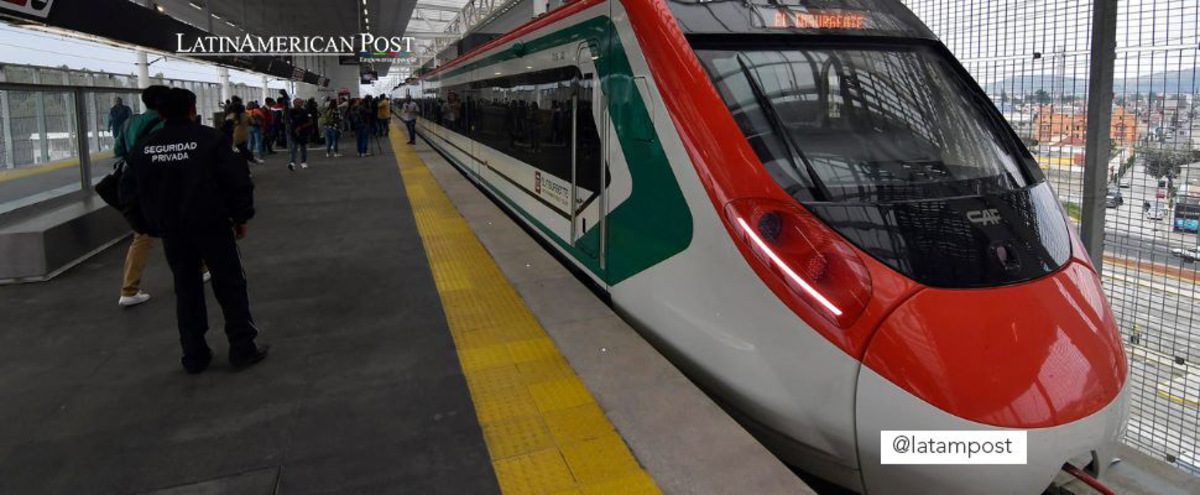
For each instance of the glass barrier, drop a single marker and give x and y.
(39, 152)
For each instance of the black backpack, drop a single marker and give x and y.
(109, 188)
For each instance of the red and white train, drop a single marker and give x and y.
(814, 211)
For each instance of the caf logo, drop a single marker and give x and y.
(36, 8)
(537, 182)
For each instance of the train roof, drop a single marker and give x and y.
(885, 18)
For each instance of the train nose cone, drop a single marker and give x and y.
(1031, 355)
(1043, 357)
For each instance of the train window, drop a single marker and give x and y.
(866, 124)
(528, 117)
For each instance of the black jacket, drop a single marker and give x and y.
(187, 177)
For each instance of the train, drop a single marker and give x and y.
(815, 212)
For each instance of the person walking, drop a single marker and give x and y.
(117, 115)
(135, 128)
(331, 121)
(384, 113)
(408, 114)
(193, 190)
(301, 122)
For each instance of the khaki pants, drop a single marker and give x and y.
(135, 262)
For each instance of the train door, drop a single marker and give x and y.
(588, 158)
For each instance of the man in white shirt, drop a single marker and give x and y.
(408, 114)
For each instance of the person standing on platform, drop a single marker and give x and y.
(274, 123)
(117, 115)
(408, 114)
(331, 121)
(191, 188)
(361, 118)
(301, 123)
(239, 122)
(257, 126)
(384, 113)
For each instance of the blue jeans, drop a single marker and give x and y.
(363, 134)
(331, 139)
(293, 143)
(412, 130)
(256, 140)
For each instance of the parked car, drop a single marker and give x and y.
(1114, 198)
(1156, 212)
(1188, 254)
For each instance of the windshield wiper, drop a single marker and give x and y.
(781, 131)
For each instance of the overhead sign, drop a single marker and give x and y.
(35, 8)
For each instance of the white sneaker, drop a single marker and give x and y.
(303, 164)
(207, 276)
(337, 155)
(327, 155)
(292, 166)
(259, 161)
(134, 300)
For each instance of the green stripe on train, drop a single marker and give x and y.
(654, 223)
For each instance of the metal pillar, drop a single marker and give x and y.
(72, 116)
(226, 88)
(6, 120)
(266, 91)
(39, 106)
(93, 101)
(1099, 121)
(85, 158)
(143, 67)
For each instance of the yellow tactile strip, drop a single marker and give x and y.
(544, 432)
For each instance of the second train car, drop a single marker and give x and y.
(814, 211)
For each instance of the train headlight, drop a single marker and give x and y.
(802, 254)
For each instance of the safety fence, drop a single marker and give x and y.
(1034, 59)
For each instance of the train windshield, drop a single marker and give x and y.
(866, 124)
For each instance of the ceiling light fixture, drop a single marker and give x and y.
(194, 6)
(217, 17)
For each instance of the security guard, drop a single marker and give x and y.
(193, 190)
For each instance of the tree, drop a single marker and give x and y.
(1161, 162)
(1041, 96)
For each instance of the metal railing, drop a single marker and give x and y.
(1036, 59)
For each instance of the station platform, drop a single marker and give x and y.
(421, 343)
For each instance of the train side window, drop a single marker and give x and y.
(528, 117)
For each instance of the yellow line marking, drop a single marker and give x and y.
(544, 431)
(22, 172)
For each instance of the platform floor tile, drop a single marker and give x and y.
(544, 431)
